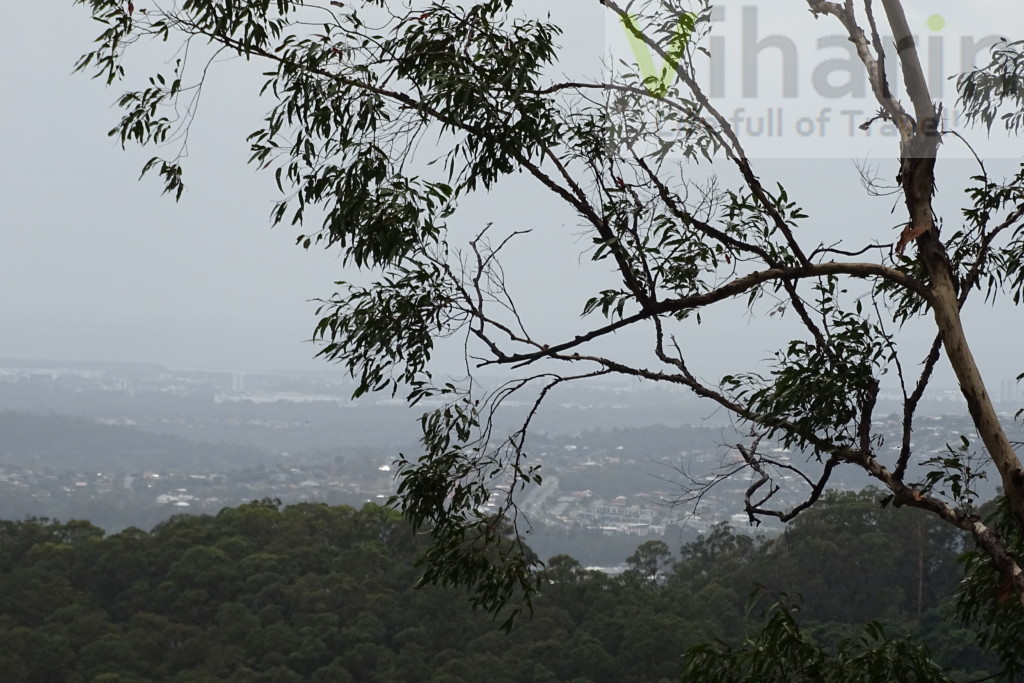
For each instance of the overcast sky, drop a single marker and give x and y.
(98, 266)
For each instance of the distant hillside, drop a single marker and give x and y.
(74, 443)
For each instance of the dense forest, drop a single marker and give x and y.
(264, 592)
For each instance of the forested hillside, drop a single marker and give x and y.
(316, 593)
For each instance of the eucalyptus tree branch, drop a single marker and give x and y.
(984, 249)
(876, 42)
(677, 209)
(746, 282)
(573, 195)
(728, 240)
(918, 150)
(874, 65)
(934, 353)
(910, 61)
(348, 120)
(730, 142)
(693, 490)
(986, 539)
(755, 510)
(725, 134)
(729, 290)
(843, 252)
(910, 405)
(867, 409)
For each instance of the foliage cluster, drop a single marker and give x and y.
(316, 593)
(384, 117)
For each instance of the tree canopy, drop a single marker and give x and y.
(384, 119)
(263, 592)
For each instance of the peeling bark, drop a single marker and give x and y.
(919, 143)
(917, 176)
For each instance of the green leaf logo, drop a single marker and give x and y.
(658, 82)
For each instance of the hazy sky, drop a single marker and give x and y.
(96, 265)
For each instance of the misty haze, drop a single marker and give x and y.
(511, 341)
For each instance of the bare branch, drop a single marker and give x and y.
(729, 290)
(874, 66)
